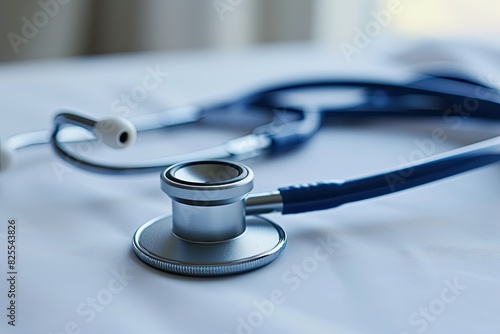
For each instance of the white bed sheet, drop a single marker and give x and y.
(426, 260)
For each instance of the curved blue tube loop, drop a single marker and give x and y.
(435, 95)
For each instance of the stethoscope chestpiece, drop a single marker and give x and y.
(208, 233)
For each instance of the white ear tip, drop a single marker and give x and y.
(116, 132)
(6, 158)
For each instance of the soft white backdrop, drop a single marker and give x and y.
(90, 26)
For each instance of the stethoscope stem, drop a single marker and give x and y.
(258, 204)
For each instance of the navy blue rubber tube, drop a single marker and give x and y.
(325, 195)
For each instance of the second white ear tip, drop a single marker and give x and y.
(116, 132)
(6, 158)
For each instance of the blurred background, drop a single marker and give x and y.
(59, 28)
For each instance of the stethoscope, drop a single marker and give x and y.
(214, 228)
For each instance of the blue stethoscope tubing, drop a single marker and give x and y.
(326, 195)
(426, 96)
(434, 96)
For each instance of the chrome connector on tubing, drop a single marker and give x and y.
(264, 203)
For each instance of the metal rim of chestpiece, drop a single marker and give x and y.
(208, 233)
